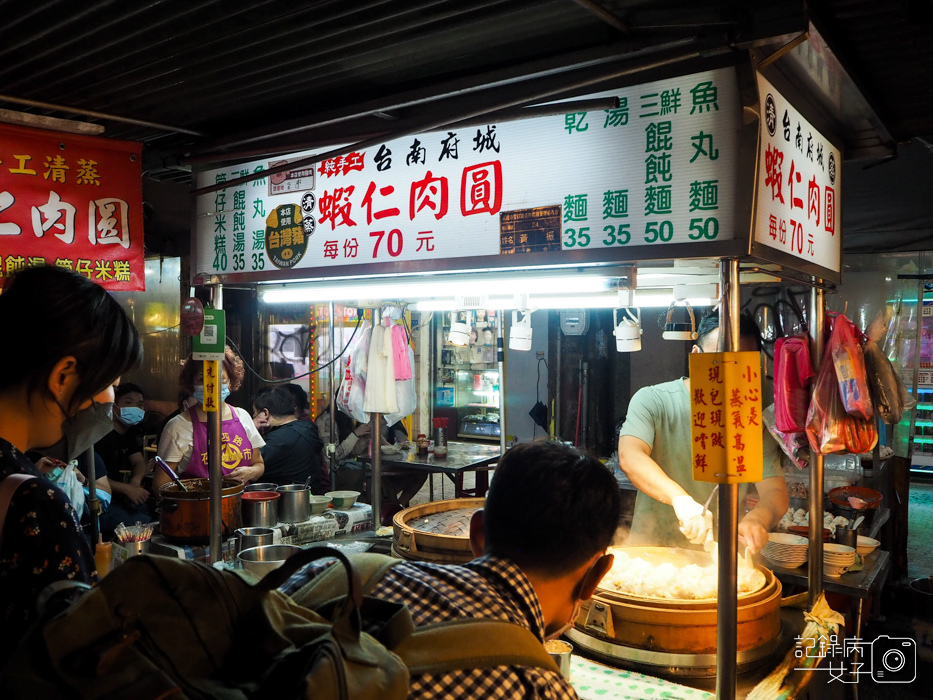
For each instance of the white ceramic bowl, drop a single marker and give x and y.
(787, 538)
(318, 504)
(866, 545)
(834, 571)
(342, 499)
(389, 449)
(784, 564)
(793, 553)
(830, 548)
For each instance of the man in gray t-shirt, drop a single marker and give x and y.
(655, 454)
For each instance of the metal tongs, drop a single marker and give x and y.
(171, 472)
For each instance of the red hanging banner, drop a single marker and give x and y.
(73, 201)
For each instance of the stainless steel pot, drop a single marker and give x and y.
(295, 503)
(260, 508)
(261, 487)
(262, 560)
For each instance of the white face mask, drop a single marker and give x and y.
(548, 635)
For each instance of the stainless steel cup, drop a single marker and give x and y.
(134, 548)
(849, 538)
(248, 537)
(560, 652)
(295, 503)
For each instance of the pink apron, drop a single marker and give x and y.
(236, 448)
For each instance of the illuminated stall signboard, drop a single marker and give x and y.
(659, 169)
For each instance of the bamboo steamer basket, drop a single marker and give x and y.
(411, 540)
(679, 627)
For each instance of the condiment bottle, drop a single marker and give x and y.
(422, 444)
(102, 554)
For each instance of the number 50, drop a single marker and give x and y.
(708, 229)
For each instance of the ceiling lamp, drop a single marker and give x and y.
(682, 330)
(627, 331)
(459, 334)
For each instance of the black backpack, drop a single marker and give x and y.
(159, 627)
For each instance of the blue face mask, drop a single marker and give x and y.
(199, 393)
(130, 415)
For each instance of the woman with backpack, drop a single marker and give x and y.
(68, 342)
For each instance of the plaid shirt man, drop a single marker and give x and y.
(489, 587)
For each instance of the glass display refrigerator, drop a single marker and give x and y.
(466, 378)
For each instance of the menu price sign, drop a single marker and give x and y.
(799, 185)
(658, 169)
(725, 415)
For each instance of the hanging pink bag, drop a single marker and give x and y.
(792, 374)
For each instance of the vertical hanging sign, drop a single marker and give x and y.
(212, 379)
(725, 417)
(799, 186)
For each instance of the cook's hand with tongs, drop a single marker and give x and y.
(753, 533)
(696, 521)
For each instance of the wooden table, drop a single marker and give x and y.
(461, 457)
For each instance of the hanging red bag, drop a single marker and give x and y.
(792, 374)
(845, 347)
(829, 428)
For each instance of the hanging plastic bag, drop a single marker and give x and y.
(66, 479)
(380, 376)
(405, 394)
(794, 444)
(792, 374)
(849, 363)
(888, 393)
(353, 388)
(830, 429)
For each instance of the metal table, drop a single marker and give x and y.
(461, 457)
(858, 586)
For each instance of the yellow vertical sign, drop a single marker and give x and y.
(725, 415)
(212, 380)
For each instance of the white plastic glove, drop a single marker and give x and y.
(696, 522)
